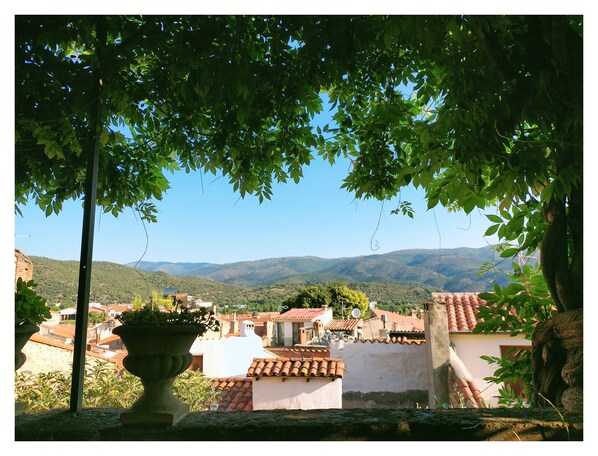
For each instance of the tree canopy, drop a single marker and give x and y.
(337, 296)
(479, 111)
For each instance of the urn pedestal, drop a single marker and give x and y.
(157, 354)
(22, 335)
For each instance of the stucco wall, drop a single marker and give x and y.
(373, 366)
(297, 393)
(469, 347)
(229, 357)
(45, 358)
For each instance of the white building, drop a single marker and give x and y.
(232, 356)
(297, 383)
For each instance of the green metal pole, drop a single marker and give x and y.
(84, 280)
(85, 262)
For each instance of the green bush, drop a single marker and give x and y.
(104, 387)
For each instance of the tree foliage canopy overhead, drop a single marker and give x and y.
(478, 111)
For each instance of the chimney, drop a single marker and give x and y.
(247, 329)
(234, 324)
(437, 344)
(302, 336)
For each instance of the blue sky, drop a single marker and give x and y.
(209, 222)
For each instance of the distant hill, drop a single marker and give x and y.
(116, 283)
(449, 269)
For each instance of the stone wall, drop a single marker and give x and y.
(310, 425)
(23, 267)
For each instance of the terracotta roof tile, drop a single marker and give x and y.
(300, 315)
(300, 352)
(296, 367)
(62, 330)
(109, 339)
(461, 309)
(391, 340)
(343, 325)
(116, 358)
(234, 393)
(260, 318)
(471, 393)
(401, 322)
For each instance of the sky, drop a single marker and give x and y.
(201, 219)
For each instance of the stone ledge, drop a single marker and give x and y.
(310, 425)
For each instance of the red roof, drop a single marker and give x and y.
(300, 315)
(296, 367)
(300, 352)
(62, 330)
(471, 393)
(343, 325)
(109, 339)
(402, 322)
(391, 340)
(235, 393)
(461, 309)
(260, 318)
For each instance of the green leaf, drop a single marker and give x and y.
(491, 230)
(509, 253)
(494, 218)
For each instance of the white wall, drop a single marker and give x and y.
(381, 367)
(297, 393)
(46, 358)
(469, 347)
(229, 357)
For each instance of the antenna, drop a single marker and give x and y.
(355, 313)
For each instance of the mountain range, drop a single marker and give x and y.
(454, 270)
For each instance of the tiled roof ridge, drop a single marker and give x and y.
(391, 340)
(465, 383)
(461, 308)
(301, 314)
(284, 367)
(302, 349)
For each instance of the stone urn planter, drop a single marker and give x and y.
(158, 351)
(30, 311)
(22, 335)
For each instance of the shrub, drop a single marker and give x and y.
(104, 387)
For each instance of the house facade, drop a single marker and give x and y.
(297, 383)
(461, 315)
(298, 326)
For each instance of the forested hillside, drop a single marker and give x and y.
(448, 269)
(115, 283)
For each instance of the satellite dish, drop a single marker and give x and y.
(356, 313)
